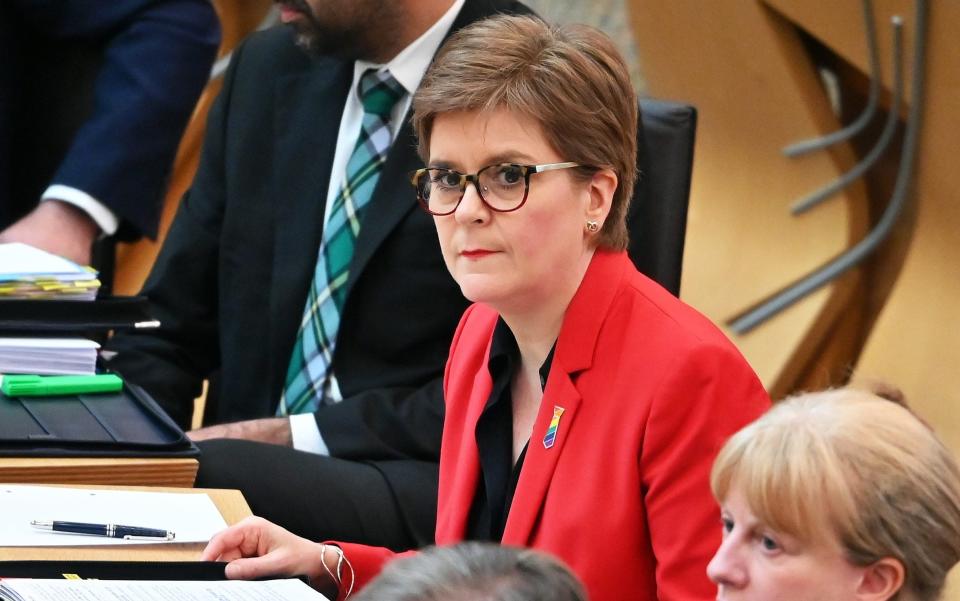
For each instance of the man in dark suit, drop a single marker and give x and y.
(232, 279)
(94, 97)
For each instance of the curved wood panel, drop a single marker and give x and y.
(723, 60)
(916, 342)
(748, 73)
(838, 25)
(133, 262)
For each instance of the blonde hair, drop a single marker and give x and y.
(847, 465)
(570, 79)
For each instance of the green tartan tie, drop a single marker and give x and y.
(313, 351)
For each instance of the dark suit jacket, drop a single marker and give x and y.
(231, 281)
(95, 95)
(650, 391)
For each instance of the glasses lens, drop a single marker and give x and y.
(439, 189)
(503, 186)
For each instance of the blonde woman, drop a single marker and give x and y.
(839, 495)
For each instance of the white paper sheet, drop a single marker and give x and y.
(28, 272)
(19, 260)
(47, 344)
(133, 590)
(192, 516)
(68, 356)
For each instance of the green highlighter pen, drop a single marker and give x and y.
(17, 385)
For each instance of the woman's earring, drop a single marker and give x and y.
(593, 227)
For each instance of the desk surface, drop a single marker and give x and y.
(231, 504)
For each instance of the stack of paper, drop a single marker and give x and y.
(28, 272)
(21, 589)
(48, 356)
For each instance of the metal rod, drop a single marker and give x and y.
(806, 146)
(862, 249)
(886, 136)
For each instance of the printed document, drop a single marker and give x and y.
(21, 589)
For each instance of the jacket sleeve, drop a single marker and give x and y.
(172, 361)
(710, 395)
(156, 61)
(392, 423)
(385, 424)
(365, 562)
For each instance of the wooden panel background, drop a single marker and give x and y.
(747, 72)
(743, 63)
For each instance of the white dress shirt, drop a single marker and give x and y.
(408, 68)
(96, 210)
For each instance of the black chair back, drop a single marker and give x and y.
(657, 219)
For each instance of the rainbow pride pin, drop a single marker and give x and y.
(551, 436)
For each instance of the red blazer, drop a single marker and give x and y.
(650, 390)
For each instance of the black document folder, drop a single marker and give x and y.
(127, 423)
(115, 570)
(33, 317)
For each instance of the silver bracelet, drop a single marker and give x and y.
(323, 562)
(341, 560)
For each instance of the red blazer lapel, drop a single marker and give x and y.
(460, 461)
(574, 354)
(460, 464)
(540, 461)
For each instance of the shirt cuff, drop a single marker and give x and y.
(306, 434)
(97, 211)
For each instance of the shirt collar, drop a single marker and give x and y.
(505, 355)
(409, 66)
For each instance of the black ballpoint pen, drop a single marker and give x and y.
(111, 530)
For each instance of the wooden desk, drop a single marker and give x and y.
(233, 507)
(112, 471)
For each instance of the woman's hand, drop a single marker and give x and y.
(256, 548)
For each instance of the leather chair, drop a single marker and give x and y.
(658, 210)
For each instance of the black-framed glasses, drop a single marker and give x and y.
(503, 187)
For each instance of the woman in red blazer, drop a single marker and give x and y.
(585, 404)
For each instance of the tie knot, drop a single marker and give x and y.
(379, 92)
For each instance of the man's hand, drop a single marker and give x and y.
(275, 430)
(56, 227)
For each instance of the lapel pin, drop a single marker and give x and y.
(551, 436)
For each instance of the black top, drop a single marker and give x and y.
(498, 478)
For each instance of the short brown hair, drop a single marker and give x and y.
(570, 79)
(851, 466)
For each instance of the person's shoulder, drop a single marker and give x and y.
(511, 6)
(683, 346)
(474, 10)
(664, 315)
(273, 52)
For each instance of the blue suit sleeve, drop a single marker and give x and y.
(157, 57)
